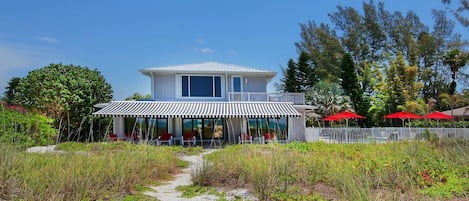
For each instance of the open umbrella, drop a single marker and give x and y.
(437, 115)
(344, 115)
(402, 116)
(331, 118)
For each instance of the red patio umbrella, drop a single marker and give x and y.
(437, 115)
(331, 118)
(402, 116)
(344, 115)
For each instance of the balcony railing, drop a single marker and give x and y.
(295, 98)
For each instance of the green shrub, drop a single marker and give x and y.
(24, 128)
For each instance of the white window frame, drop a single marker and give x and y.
(179, 86)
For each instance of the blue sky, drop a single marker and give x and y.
(121, 37)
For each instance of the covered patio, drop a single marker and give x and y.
(206, 120)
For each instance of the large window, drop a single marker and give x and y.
(201, 86)
(205, 128)
(147, 127)
(277, 126)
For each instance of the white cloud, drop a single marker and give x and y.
(48, 39)
(205, 50)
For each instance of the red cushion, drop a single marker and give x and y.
(188, 136)
(269, 136)
(165, 136)
(245, 136)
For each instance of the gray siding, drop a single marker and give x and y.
(255, 84)
(165, 87)
(296, 128)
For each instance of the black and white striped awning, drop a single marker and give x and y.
(159, 109)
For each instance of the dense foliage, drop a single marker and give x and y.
(67, 93)
(401, 63)
(25, 128)
(111, 171)
(417, 170)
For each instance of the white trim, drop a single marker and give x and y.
(179, 87)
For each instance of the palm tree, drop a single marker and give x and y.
(455, 59)
(452, 101)
(329, 97)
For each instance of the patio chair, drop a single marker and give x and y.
(132, 137)
(165, 138)
(244, 138)
(188, 138)
(113, 137)
(268, 137)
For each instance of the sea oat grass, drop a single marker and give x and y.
(89, 172)
(411, 170)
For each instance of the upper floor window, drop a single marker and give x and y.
(237, 84)
(201, 86)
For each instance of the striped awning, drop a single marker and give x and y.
(159, 109)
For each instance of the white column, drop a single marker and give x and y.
(177, 127)
(153, 95)
(118, 127)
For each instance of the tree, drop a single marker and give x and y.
(324, 49)
(289, 82)
(351, 86)
(66, 93)
(305, 77)
(329, 97)
(138, 96)
(11, 89)
(455, 59)
(458, 13)
(350, 81)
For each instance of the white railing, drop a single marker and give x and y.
(380, 134)
(295, 98)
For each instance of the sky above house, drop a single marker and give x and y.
(120, 37)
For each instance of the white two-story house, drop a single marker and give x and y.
(212, 100)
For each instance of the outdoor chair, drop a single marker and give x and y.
(113, 137)
(132, 137)
(244, 138)
(165, 138)
(188, 138)
(268, 137)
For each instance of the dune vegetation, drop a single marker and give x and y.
(95, 171)
(413, 170)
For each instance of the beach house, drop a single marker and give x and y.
(212, 101)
